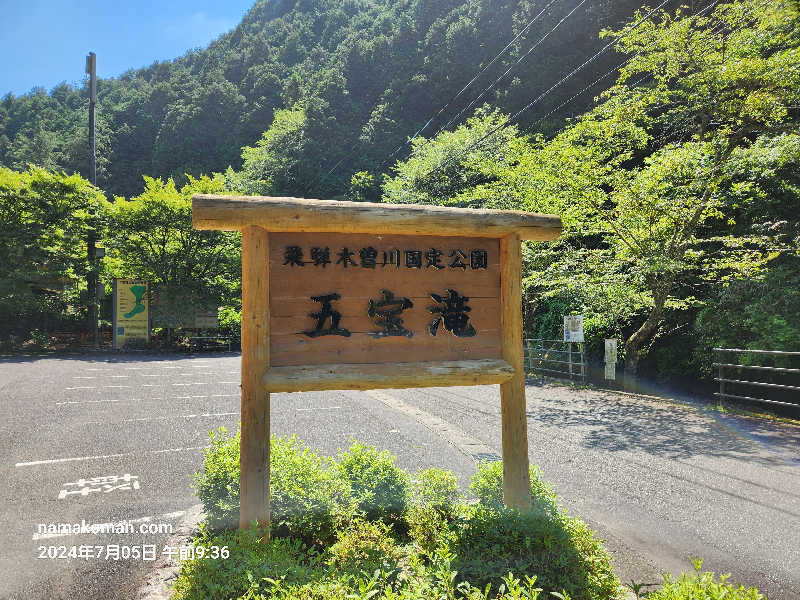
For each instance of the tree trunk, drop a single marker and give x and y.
(634, 344)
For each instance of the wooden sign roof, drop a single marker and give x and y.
(299, 214)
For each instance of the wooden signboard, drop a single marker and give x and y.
(345, 295)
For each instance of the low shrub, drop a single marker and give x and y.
(217, 485)
(250, 560)
(379, 487)
(364, 546)
(701, 585)
(487, 485)
(426, 527)
(320, 551)
(438, 489)
(560, 551)
(307, 497)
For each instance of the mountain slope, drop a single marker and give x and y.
(369, 73)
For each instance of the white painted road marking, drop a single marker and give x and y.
(147, 399)
(225, 414)
(104, 484)
(322, 408)
(52, 461)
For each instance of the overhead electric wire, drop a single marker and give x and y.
(446, 105)
(519, 60)
(612, 71)
(544, 94)
(471, 81)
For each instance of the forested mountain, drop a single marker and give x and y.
(365, 74)
(676, 176)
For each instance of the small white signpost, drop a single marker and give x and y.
(611, 359)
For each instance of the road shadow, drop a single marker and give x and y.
(620, 423)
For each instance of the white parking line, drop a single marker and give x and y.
(82, 387)
(84, 377)
(52, 461)
(203, 415)
(113, 526)
(321, 408)
(146, 399)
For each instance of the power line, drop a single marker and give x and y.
(523, 57)
(471, 81)
(516, 115)
(449, 103)
(612, 71)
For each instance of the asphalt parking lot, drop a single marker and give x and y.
(111, 438)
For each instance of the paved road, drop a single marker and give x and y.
(661, 482)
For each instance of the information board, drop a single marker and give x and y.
(131, 311)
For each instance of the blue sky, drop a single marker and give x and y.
(45, 42)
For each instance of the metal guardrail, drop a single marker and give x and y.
(209, 342)
(542, 354)
(726, 383)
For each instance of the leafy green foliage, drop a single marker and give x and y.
(365, 546)
(379, 487)
(308, 498)
(251, 559)
(373, 70)
(217, 485)
(701, 585)
(661, 186)
(438, 489)
(560, 550)
(45, 219)
(151, 237)
(487, 485)
(457, 550)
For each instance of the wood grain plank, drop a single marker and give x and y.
(372, 376)
(301, 214)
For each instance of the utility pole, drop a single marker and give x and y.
(91, 281)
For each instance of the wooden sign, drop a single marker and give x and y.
(352, 295)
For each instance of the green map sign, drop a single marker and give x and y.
(131, 311)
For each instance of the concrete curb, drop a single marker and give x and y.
(158, 583)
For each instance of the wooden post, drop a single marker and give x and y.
(569, 359)
(254, 452)
(516, 475)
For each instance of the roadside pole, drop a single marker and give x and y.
(91, 280)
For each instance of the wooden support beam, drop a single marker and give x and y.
(387, 375)
(514, 420)
(254, 453)
(300, 214)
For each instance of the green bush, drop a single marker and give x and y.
(364, 546)
(487, 485)
(560, 551)
(701, 585)
(379, 487)
(217, 485)
(438, 489)
(250, 560)
(426, 527)
(307, 497)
